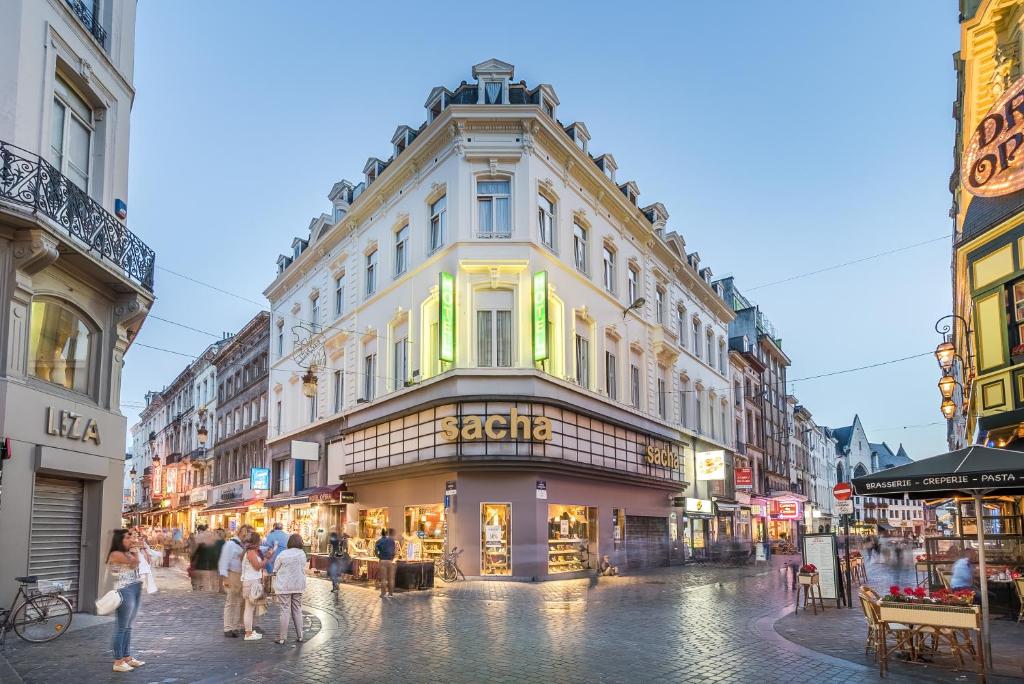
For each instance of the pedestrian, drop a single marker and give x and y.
(385, 551)
(123, 566)
(253, 563)
(276, 542)
(203, 561)
(229, 567)
(337, 564)
(605, 568)
(289, 585)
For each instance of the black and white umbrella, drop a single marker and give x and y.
(976, 471)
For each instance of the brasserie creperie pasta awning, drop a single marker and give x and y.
(962, 471)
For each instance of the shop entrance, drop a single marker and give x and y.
(647, 542)
(55, 550)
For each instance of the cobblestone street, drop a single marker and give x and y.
(704, 624)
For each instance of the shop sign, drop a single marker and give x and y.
(449, 488)
(563, 528)
(711, 465)
(744, 516)
(744, 478)
(515, 426)
(542, 489)
(446, 317)
(789, 510)
(348, 497)
(755, 509)
(492, 534)
(679, 501)
(993, 163)
(308, 345)
(72, 426)
(259, 478)
(540, 315)
(698, 506)
(662, 457)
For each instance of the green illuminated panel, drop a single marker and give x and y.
(540, 315)
(446, 317)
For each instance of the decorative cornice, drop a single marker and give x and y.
(34, 250)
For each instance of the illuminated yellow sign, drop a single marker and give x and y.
(515, 426)
(446, 317)
(540, 315)
(662, 457)
(993, 162)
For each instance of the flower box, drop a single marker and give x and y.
(957, 617)
(808, 578)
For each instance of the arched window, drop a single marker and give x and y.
(839, 473)
(860, 470)
(59, 345)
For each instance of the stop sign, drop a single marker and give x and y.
(842, 491)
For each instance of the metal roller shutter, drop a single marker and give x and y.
(646, 541)
(56, 543)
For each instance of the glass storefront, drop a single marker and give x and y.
(371, 522)
(495, 536)
(424, 527)
(572, 534)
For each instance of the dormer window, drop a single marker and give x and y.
(437, 102)
(492, 92)
(579, 134)
(373, 169)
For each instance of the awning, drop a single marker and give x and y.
(330, 494)
(224, 506)
(726, 507)
(285, 501)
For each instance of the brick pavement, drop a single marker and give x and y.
(702, 624)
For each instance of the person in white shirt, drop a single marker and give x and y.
(289, 585)
(229, 567)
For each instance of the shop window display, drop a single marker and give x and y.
(424, 527)
(371, 522)
(571, 538)
(495, 538)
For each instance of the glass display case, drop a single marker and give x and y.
(572, 532)
(426, 525)
(495, 539)
(371, 522)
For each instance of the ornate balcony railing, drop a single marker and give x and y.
(29, 180)
(88, 17)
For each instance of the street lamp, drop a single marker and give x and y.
(946, 386)
(152, 448)
(944, 354)
(202, 434)
(309, 383)
(637, 303)
(948, 409)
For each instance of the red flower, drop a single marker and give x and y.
(894, 590)
(909, 591)
(920, 592)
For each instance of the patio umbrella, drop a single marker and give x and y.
(976, 471)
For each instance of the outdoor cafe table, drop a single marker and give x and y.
(944, 623)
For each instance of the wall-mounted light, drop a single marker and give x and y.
(948, 408)
(637, 304)
(946, 386)
(309, 384)
(944, 354)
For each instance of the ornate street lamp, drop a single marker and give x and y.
(944, 354)
(948, 409)
(133, 472)
(309, 383)
(152, 448)
(946, 386)
(202, 433)
(1020, 431)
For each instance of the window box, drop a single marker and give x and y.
(955, 617)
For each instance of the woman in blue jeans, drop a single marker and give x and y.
(123, 563)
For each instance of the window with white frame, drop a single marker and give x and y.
(492, 92)
(401, 249)
(277, 417)
(312, 409)
(696, 338)
(339, 294)
(711, 347)
(71, 129)
(337, 390)
(634, 385)
(314, 312)
(684, 402)
(494, 329)
(401, 362)
(583, 361)
(371, 273)
(438, 210)
(662, 397)
(698, 411)
(493, 201)
(632, 284)
(369, 376)
(608, 264)
(721, 355)
(546, 220)
(611, 375)
(659, 304)
(579, 247)
(681, 325)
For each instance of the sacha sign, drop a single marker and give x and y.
(993, 161)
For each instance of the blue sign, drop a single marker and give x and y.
(259, 478)
(447, 501)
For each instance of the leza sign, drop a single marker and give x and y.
(71, 425)
(662, 457)
(515, 426)
(993, 162)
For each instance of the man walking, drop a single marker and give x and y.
(279, 537)
(385, 551)
(229, 567)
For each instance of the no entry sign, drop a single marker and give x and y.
(842, 491)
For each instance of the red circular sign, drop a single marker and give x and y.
(842, 491)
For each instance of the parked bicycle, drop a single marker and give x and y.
(446, 566)
(42, 614)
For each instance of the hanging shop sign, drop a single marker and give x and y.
(450, 488)
(72, 426)
(744, 478)
(308, 343)
(542, 489)
(259, 478)
(789, 510)
(662, 457)
(711, 465)
(993, 162)
(446, 317)
(698, 507)
(540, 315)
(512, 426)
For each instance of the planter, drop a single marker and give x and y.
(957, 617)
(808, 577)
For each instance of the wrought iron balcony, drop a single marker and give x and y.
(30, 181)
(88, 17)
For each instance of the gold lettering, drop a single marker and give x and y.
(92, 431)
(73, 432)
(542, 430)
(64, 417)
(51, 429)
(517, 421)
(492, 422)
(471, 428)
(450, 428)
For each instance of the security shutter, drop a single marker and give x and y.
(647, 544)
(56, 543)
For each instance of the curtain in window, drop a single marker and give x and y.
(492, 91)
(503, 216)
(486, 215)
(634, 389)
(483, 338)
(583, 361)
(610, 376)
(504, 332)
(498, 187)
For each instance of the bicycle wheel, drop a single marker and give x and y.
(42, 618)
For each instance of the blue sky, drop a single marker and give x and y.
(782, 138)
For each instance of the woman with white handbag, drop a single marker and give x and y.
(123, 566)
(252, 583)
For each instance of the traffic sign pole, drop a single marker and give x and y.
(843, 491)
